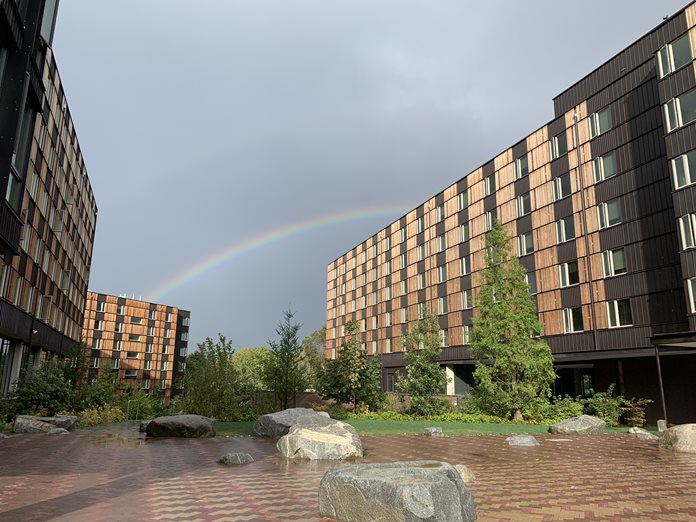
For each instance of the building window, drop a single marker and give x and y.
(465, 265)
(419, 225)
(687, 227)
(421, 281)
(524, 204)
(691, 289)
(681, 169)
(97, 344)
(402, 261)
(561, 187)
(374, 274)
(619, 313)
(375, 298)
(374, 322)
(98, 324)
(115, 364)
(101, 306)
(462, 200)
(604, 167)
(526, 244)
(444, 338)
(387, 293)
(402, 315)
(467, 299)
(572, 320)
(387, 346)
(491, 218)
(521, 167)
(464, 232)
(164, 366)
(569, 274)
(169, 317)
(131, 355)
(94, 363)
(565, 229)
(674, 55)
(153, 315)
(148, 348)
(387, 319)
(148, 365)
(131, 374)
(402, 236)
(600, 122)
(558, 145)
(163, 384)
(530, 278)
(118, 327)
(439, 213)
(466, 334)
(609, 213)
(420, 252)
(136, 320)
(387, 268)
(133, 337)
(146, 384)
(117, 346)
(150, 330)
(442, 274)
(489, 185)
(681, 110)
(440, 243)
(422, 310)
(441, 305)
(613, 262)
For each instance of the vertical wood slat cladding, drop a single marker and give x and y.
(628, 86)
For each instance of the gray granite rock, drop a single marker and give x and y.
(642, 434)
(405, 491)
(235, 459)
(681, 438)
(33, 424)
(334, 441)
(190, 426)
(143, 426)
(3, 436)
(59, 431)
(433, 432)
(523, 439)
(465, 472)
(582, 425)
(275, 425)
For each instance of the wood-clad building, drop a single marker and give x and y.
(601, 204)
(49, 213)
(145, 343)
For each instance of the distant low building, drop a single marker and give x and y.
(144, 343)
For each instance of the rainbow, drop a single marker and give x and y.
(267, 237)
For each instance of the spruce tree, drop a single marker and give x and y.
(513, 366)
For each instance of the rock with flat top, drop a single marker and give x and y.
(275, 425)
(642, 434)
(680, 438)
(34, 424)
(334, 441)
(582, 425)
(236, 459)
(522, 440)
(400, 491)
(189, 426)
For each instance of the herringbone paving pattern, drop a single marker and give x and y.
(99, 477)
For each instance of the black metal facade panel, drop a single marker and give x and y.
(489, 203)
(556, 126)
(524, 224)
(641, 138)
(688, 263)
(622, 338)
(522, 186)
(681, 141)
(684, 201)
(559, 166)
(571, 298)
(488, 169)
(678, 83)
(455, 353)
(519, 149)
(635, 55)
(563, 208)
(567, 252)
(569, 343)
(528, 263)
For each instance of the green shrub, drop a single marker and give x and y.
(556, 410)
(605, 406)
(634, 411)
(43, 390)
(382, 415)
(469, 418)
(101, 415)
(335, 411)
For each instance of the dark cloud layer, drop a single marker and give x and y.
(204, 124)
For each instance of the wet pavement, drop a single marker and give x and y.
(116, 475)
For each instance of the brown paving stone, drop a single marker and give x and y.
(95, 477)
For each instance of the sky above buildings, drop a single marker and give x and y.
(237, 147)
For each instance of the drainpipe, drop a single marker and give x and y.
(588, 264)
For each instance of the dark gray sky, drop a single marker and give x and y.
(209, 125)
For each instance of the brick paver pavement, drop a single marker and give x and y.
(94, 477)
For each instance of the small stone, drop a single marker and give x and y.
(522, 440)
(433, 432)
(465, 472)
(58, 431)
(235, 459)
(661, 425)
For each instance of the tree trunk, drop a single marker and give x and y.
(518, 415)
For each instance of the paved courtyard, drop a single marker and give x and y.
(96, 476)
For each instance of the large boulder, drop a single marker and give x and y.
(191, 426)
(399, 491)
(275, 425)
(333, 441)
(582, 425)
(679, 438)
(33, 424)
(525, 439)
(642, 434)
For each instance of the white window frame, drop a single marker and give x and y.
(441, 305)
(691, 293)
(599, 169)
(420, 253)
(608, 266)
(419, 225)
(441, 274)
(444, 338)
(525, 244)
(465, 265)
(440, 243)
(467, 299)
(527, 276)
(554, 148)
(613, 317)
(464, 232)
(674, 118)
(491, 218)
(603, 214)
(462, 200)
(665, 57)
(687, 231)
(683, 161)
(564, 274)
(421, 281)
(522, 165)
(520, 204)
(439, 213)
(466, 334)
(595, 119)
(562, 229)
(558, 187)
(490, 185)
(569, 325)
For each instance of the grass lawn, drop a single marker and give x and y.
(394, 427)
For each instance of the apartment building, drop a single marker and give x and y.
(601, 204)
(145, 343)
(48, 216)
